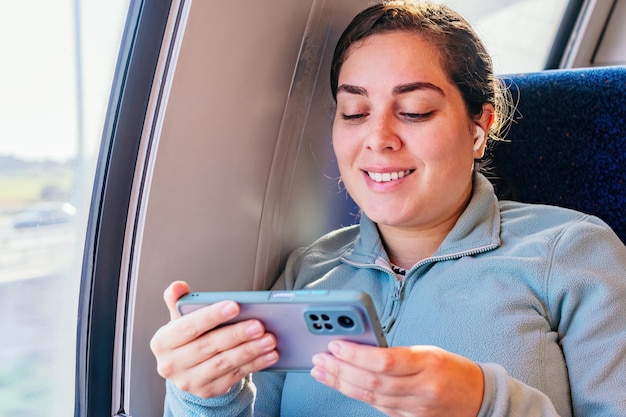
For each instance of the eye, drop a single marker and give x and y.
(416, 117)
(353, 117)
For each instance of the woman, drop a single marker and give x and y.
(490, 308)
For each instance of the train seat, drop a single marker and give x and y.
(567, 142)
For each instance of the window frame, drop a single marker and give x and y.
(106, 228)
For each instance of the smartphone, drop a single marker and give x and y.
(303, 321)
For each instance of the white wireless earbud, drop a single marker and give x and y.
(479, 138)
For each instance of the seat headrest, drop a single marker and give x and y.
(567, 143)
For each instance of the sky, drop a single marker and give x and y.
(38, 75)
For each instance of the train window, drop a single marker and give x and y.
(58, 64)
(518, 34)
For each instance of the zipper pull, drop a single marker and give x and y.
(387, 327)
(397, 291)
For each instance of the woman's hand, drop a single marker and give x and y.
(206, 360)
(403, 381)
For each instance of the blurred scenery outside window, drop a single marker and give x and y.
(58, 59)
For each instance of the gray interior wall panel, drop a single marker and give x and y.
(208, 219)
(214, 154)
(612, 48)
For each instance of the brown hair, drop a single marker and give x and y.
(463, 55)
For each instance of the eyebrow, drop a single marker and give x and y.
(352, 89)
(407, 88)
(399, 89)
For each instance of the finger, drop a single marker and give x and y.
(248, 340)
(399, 361)
(204, 386)
(220, 372)
(212, 373)
(176, 290)
(191, 326)
(212, 343)
(443, 380)
(335, 379)
(358, 383)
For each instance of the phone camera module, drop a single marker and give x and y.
(334, 321)
(346, 322)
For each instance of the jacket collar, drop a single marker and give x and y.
(476, 231)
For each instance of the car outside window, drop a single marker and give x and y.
(58, 59)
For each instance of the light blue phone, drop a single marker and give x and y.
(303, 321)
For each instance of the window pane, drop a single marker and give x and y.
(58, 59)
(517, 33)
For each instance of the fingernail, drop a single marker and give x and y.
(266, 342)
(334, 347)
(254, 329)
(229, 309)
(319, 360)
(271, 358)
(318, 374)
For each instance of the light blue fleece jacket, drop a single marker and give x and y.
(535, 294)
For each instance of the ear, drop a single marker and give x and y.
(483, 124)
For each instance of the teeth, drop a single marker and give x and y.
(388, 176)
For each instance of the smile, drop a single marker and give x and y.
(388, 176)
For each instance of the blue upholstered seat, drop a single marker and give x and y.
(567, 143)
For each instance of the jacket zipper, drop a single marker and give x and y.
(396, 299)
(383, 266)
(399, 284)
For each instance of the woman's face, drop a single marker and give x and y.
(402, 135)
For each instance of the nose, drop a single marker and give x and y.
(383, 135)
